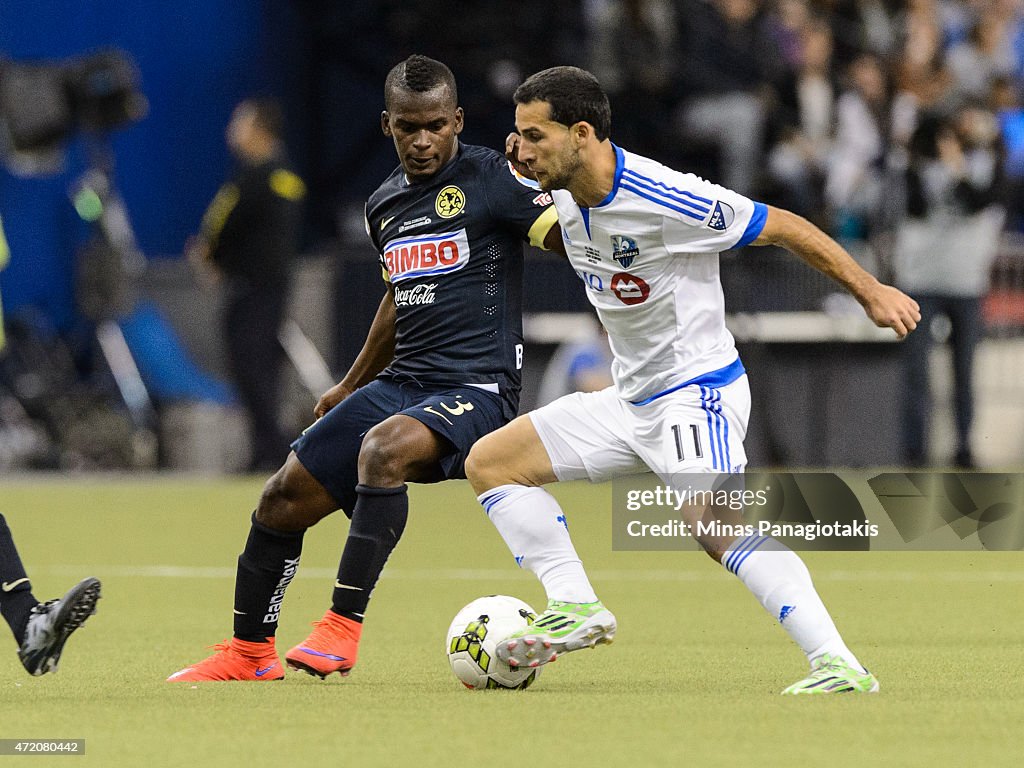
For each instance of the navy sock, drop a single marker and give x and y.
(16, 599)
(266, 567)
(378, 521)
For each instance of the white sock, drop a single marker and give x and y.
(782, 584)
(534, 528)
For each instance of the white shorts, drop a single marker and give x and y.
(598, 436)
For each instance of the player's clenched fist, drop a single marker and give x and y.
(512, 155)
(889, 307)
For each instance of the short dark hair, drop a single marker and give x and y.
(267, 114)
(574, 94)
(420, 74)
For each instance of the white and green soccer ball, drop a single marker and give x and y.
(473, 639)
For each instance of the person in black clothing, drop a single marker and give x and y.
(801, 126)
(440, 368)
(726, 63)
(250, 237)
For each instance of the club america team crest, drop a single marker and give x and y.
(624, 250)
(450, 202)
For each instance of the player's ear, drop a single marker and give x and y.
(385, 123)
(581, 131)
(459, 118)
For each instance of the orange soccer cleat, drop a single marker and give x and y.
(331, 647)
(235, 660)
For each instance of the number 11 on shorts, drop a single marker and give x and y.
(677, 433)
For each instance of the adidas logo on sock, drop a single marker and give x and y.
(785, 612)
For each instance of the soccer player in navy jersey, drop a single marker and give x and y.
(440, 368)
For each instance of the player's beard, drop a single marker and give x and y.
(561, 175)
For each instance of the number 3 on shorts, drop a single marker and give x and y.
(459, 409)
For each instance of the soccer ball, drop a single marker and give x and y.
(473, 639)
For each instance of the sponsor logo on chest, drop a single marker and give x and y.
(417, 295)
(426, 255)
(628, 288)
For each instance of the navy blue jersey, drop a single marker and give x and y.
(452, 249)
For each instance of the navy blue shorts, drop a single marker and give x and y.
(329, 448)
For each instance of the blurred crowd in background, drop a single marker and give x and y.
(895, 125)
(812, 104)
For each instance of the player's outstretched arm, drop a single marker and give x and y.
(378, 350)
(888, 307)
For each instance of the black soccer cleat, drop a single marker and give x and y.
(50, 624)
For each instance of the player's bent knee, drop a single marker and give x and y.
(484, 468)
(290, 504)
(392, 450)
(512, 455)
(279, 507)
(473, 466)
(378, 450)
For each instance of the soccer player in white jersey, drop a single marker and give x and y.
(645, 241)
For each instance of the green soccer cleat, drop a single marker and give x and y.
(831, 674)
(563, 627)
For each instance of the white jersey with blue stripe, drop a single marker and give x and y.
(648, 256)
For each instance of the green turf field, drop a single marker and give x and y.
(692, 679)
